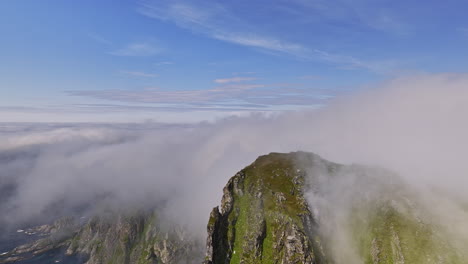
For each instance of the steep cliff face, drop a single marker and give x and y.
(133, 238)
(264, 216)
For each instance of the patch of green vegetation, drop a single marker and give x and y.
(269, 181)
(240, 229)
(390, 237)
(211, 221)
(273, 175)
(118, 256)
(267, 247)
(75, 242)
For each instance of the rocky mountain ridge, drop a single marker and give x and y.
(264, 217)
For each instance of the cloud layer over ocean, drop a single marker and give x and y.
(415, 126)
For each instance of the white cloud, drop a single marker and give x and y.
(377, 15)
(234, 80)
(268, 43)
(413, 125)
(230, 93)
(216, 22)
(350, 62)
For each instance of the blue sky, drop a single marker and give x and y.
(171, 61)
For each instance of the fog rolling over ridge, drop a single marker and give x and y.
(415, 126)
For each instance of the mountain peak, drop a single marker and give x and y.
(264, 216)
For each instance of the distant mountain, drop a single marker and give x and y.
(111, 237)
(283, 208)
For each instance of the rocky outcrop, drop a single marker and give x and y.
(264, 216)
(51, 237)
(138, 238)
(114, 237)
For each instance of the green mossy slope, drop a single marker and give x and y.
(265, 218)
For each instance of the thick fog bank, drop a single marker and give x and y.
(416, 126)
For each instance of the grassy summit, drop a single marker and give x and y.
(265, 217)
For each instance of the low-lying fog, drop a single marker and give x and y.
(416, 126)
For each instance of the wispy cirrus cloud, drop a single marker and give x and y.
(234, 80)
(139, 74)
(350, 62)
(144, 49)
(215, 21)
(382, 16)
(172, 108)
(248, 95)
(263, 42)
